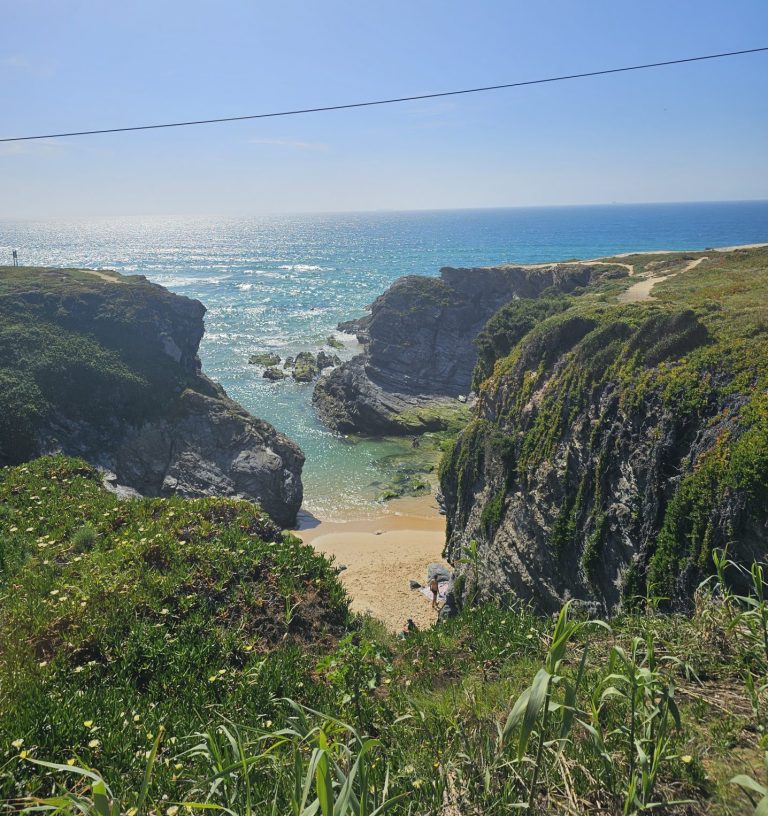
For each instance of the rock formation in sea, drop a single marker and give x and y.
(419, 345)
(106, 368)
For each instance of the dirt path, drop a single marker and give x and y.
(111, 278)
(641, 291)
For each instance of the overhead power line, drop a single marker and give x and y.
(392, 101)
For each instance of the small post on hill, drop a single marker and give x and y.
(15, 258)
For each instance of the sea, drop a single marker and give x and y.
(283, 282)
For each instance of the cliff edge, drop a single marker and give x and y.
(419, 344)
(616, 444)
(105, 367)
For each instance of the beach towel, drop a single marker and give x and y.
(442, 591)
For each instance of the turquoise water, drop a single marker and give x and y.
(282, 283)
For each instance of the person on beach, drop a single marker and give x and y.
(434, 588)
(409, 628)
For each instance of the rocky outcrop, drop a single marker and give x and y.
(305, 367)
(419, 340)
(612, 450)
(264, 358)
(110, 373)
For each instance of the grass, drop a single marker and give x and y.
(148, 650)
(109, 606)
(497, 711)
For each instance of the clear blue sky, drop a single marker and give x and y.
(694, 132)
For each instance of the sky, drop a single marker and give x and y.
(696, 132)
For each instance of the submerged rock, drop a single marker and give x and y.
(305, 367)
(324, 360)
(266, 358)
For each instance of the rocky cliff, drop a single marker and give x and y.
(105, 367)
(615, 446)
(419, 344)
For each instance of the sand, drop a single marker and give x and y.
(382, 551)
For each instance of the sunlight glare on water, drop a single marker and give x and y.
(282, 283)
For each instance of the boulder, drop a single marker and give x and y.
(305, 368)
(265, 358)
(327, 360)
(274, 374)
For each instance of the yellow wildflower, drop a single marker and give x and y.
(87, 723)
(17, 743)
(94, 743)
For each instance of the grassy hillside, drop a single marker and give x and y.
(129, 615)
(163, 635)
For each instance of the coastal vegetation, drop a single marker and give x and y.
(163, 653)
(619, 445)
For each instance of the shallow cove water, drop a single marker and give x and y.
(282, 283)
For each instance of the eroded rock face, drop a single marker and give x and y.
(212, 447)
(586, 475)
(419, 341)
(158, 425)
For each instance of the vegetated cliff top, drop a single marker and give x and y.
(132, 613)
(616, 444)
(165, 633)
(93, 345)
(105, 367)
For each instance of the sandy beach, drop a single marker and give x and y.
(382, 551)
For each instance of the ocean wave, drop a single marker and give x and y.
(186, 280)
(306, 268)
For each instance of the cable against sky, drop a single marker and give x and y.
(392, 101)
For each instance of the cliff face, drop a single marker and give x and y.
(420, 344)
(106, 368)
(616, 446)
